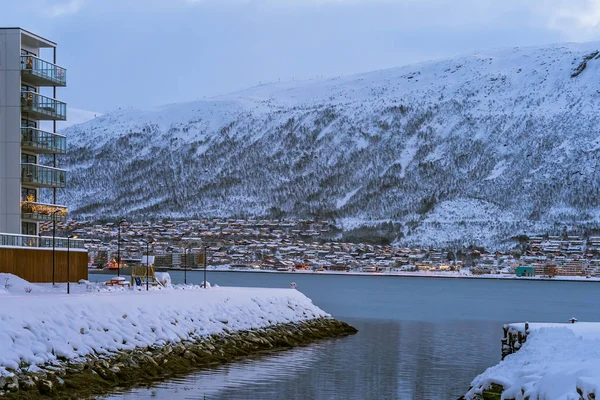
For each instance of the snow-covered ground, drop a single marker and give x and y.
(41, 324)
(556, 362)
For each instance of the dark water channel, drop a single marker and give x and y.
(419, 338)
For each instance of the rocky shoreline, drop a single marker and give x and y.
(100, 374)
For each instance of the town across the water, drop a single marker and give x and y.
(295, 245)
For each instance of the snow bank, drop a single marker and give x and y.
(10, 283)
(554, 363)
(41, 328)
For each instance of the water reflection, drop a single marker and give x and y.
(385, 360)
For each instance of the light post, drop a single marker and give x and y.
(119, 248)
(69, 262)
(204, 266)
(53, 244)
(185, 262)
(147, 262)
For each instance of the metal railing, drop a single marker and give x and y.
(7, 239)
(43, 106)
(43, 212)
(43, 140)
(44, 69)
(41, 175)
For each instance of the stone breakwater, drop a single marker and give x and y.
(100, 374)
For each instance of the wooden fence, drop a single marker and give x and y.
(35, 264)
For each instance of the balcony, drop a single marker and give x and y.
(42, 176)
(9, 240)
(39, 141)
(38, 72)
(42, 108)
(33, 211)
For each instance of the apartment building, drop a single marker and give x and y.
(29, 145)
(29, 111)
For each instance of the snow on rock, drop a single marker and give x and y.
(554, 363)
(41, 328)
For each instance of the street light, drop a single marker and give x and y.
(185, 262)
(147, 260)
(69, 262)
(53, 243)
(119, 248)
(204, 266)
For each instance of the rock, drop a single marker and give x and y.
(12, 385)
(106, 374)
(3, 381)
(75, 367)
(27, 383)
(46, 387)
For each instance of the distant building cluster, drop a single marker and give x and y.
(308, 244)
(565, 256)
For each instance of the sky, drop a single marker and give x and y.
(147, 53)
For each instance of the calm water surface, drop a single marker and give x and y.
(419, 338)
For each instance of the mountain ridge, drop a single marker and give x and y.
(465, 150)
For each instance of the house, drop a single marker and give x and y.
(525, 271)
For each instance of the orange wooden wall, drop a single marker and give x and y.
(35, 265)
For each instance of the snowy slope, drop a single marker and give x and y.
(515, 133)
(76, 116)
(41, 326)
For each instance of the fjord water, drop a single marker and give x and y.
(419, 338)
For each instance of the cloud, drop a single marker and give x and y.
(576, 20)
(65, 7)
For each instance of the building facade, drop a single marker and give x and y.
(29, 143)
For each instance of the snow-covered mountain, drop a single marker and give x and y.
(76, 116)
(468, 150)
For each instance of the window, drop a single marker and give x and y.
(27, 53)
(25, 123)
(28, 158)
(27, 88)
(28, 228)
(27, 194)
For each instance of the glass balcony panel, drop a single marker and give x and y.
(42, 73)
(40, 241)
(43, 142)
(42, 176)
(31, 210)
(42, 107)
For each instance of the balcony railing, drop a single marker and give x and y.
(31, 210)
(39, 241)
(42, 176)
(42, 73)
(42, 107)
(41, 141)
